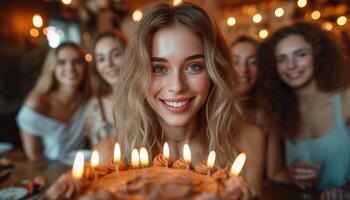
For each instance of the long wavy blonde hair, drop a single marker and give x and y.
(47, 81)
(136, 121)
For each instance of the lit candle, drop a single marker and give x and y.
(135, 160)
(238, 164)
(116, 156)
(144, 163)
(144, 157)
(78, 166)
(94, 162)
(187, 155)
(166, 153)
(211, 161)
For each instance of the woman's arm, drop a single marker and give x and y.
(105, 149)
(251, 141)
(276, 169)
(31, 146)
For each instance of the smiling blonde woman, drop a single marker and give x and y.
(177, 85)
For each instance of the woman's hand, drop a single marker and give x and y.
(301, 172)
(66, 187)
(238, 188)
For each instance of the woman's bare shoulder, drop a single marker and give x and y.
(37, 102)
(346, 103)
(250, 136)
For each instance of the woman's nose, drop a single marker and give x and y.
(242, 68)
(291, 63)
(177, 82)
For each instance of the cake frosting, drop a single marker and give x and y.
(160, 182)
(163, 180)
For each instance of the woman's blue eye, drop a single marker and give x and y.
(117, 54)
(252, 62)
(280, 59)
(194, 67)
(99, 59)
(302, 54)
(61, 62)
(159, 69)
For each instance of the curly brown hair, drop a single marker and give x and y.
(278, 100)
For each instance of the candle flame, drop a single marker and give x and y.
(238, 164)
(78, 165)
(166, 152)
(211, 159)
(187, 153)
(144, 157)
(95, 159)
(117, 154)
(135, 160)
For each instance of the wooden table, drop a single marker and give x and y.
(53, 169)
(26, 170)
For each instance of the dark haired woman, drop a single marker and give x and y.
(306, 100)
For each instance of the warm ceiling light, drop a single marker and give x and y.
(137, 15)
(327, 26)
(37, 21)
(341, 21)
(45, 31)
(34, 32)
(263, 33)
(257, 18)
(302, 3)
(279, 12)
(231, 21)
(315, 15)
(66, 2)
(177, 2)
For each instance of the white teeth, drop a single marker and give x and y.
(294, 75)
(176, 104)
(244, 79)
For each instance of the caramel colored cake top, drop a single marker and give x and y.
(160, 182)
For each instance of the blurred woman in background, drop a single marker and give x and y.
(108, 50)
(306, 99)
(243, 52)
(51, 120)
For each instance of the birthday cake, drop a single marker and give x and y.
(162, 180)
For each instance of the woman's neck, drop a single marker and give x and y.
(178, 136)
(66, 94)
(308, 94)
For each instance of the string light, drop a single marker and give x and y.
(257, 18)
(45, 31)
(315, 15)
(137, 15)
(88, 57)
(302, 3)
(327, 26)
(279, 12)
(66, 2)
(34, 32)
(231, 21)
(177, 2)
(37, 21)
(263, 33)
(341, 21)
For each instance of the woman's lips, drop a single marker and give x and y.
(177, 105)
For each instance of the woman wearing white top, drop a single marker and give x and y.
(50, 121)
